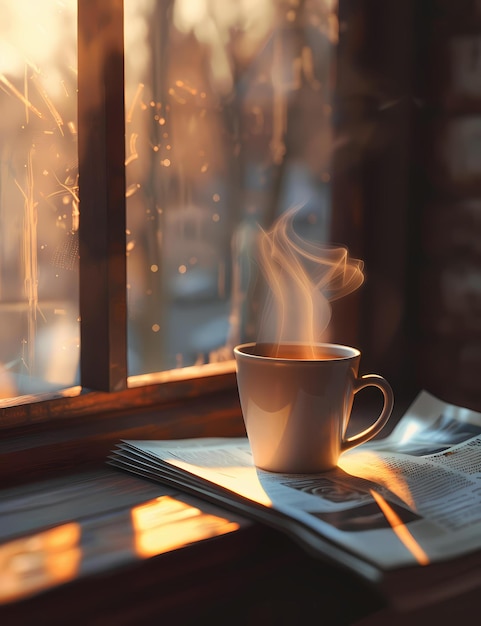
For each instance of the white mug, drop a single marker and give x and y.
(296, 403)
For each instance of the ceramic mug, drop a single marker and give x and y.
(296, 403)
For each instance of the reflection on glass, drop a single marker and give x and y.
(38, 562)
(227, 126)
(39, 331)
(165, 524)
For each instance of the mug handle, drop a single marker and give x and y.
(372, 380)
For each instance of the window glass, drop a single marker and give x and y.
(39, 326)
(228, 122)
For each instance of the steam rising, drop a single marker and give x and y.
(303, 279)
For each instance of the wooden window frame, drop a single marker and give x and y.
(42, 433)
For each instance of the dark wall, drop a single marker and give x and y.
(448, 185)
(407, 181)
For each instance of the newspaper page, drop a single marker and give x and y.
(413, 497)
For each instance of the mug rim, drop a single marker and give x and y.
(345, 352)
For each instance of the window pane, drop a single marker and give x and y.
(39, 328)
(227, 126)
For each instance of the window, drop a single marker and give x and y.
(195, 125)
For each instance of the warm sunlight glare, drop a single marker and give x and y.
(401, 530)
(185, 373)
(241, 480)
(165, 524)
(37, 562)
(368, 465)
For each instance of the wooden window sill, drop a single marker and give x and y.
(70, 553)
(53, 474)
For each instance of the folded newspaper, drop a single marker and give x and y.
(402, 512)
